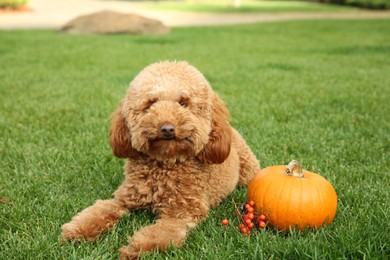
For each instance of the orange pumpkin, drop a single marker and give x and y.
(292, 197)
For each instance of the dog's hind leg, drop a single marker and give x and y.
(99, 217)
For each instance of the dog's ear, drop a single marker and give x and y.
(218, 146)
(120, 138)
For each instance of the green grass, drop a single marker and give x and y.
(314, 91)
(248, 6)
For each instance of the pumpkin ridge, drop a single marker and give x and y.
(320, 204)
(275, 215)
(266, 211)
(255, 182)
(296, 185)
(288, 192)
(331, 194)
(300, 201)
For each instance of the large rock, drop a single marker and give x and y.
(109, 22)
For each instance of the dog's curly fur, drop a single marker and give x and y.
(183, 158)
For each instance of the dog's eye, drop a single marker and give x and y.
(183, 102)
(148, 104)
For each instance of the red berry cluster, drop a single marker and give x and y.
(248, 218)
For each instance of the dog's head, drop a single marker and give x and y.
(170, 113)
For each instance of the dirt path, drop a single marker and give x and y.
(55, 13)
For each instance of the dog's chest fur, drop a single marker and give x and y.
(164, 188)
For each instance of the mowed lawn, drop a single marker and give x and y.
(314, 91)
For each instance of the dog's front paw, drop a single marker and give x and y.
(127, 252)
(71, 232)
(161, 235)
(98, 218)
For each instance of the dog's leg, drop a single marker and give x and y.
(249, 165)
(163, 234)
(101, 216)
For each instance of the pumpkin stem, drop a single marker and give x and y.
(294, 168)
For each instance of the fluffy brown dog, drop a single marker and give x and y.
(183, 157)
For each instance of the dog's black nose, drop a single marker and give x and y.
(167, 130)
